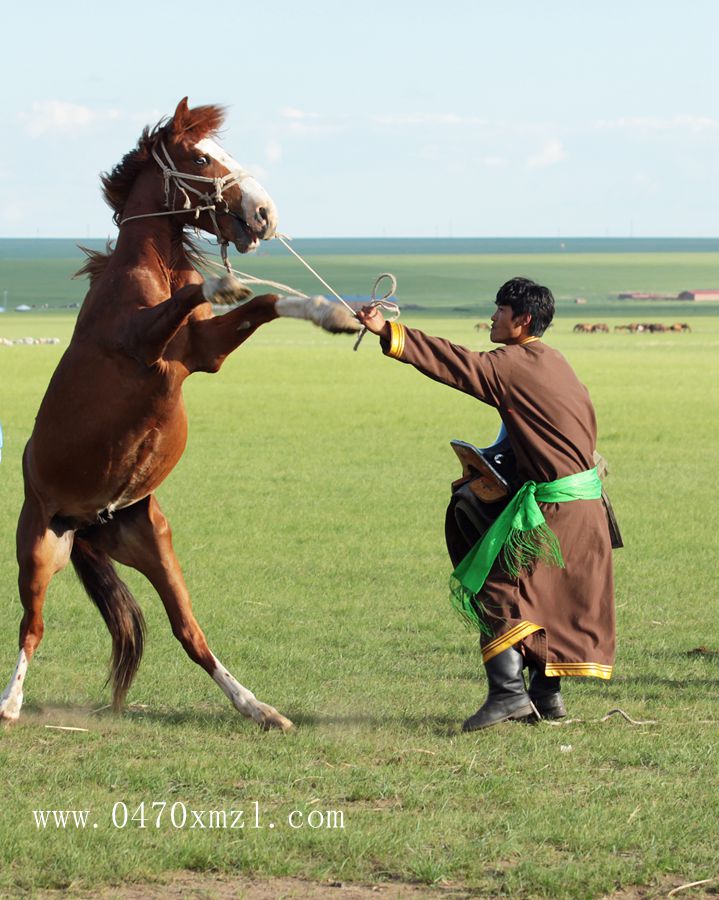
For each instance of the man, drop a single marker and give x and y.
(539, 585)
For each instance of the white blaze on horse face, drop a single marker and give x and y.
(258, 208)
(11, 700)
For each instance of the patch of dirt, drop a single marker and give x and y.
(198, 886)
(190, 886)
(703, 651)
(677, 887)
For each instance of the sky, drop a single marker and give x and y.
(380, 118)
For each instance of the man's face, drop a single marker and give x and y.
(506, 328)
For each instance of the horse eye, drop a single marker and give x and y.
(201, 161)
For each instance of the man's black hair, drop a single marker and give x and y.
(526, 296)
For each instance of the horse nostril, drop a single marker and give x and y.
(262, 214)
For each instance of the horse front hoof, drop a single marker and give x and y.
(340, 321)
(225, 291)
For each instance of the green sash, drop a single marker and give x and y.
(521, 534)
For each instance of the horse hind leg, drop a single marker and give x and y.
(42, 551)
(140, 536)
(118, 609)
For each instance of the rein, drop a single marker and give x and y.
(384, 302)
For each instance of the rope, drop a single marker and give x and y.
(628, 718)
(612, 712)
(252, 279)
(384, 302)
(285, 243)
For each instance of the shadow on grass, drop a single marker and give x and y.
(678, 684)
(443, 726)
(79, 716)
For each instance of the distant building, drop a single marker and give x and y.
(699, 295)
(644, 295)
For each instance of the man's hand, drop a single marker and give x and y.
(373, 320)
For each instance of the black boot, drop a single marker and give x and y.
(544, 693)
(508, 699)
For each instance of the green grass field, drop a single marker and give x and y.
(308, 513)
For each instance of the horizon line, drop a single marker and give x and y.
(408, 237)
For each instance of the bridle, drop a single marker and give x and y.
(210, 198)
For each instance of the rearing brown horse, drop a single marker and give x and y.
(112, 424)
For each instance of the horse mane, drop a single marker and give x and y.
(196, 123)
(95, 263)
(97, 260)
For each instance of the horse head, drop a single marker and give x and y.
(222, 196)
(202, 185)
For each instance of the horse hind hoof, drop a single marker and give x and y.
(271, 720)
(10, 712)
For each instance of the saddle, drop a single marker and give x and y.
(488, 482)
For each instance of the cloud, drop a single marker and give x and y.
(301, 123)
(289, 112)
(552, 152)
(14, 212)
(493, 162)
(273, 151)
(257, 171)
(644, 183)
(399, 119)
(655, 123)
(48, 116)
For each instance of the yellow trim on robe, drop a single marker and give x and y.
(551, 670)
(509, 639)
(586, 669)
(396, 345)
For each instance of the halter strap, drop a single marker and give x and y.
(211, 200)
(220, 184)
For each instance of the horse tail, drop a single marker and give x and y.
(118, 608)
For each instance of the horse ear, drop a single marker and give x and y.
(181, 119)
(197, 122)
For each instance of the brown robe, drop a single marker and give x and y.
(563, 618)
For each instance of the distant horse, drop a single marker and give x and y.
(582, 328)
(600, 328)
(112, 424)
(680, 326)
(482, 326)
